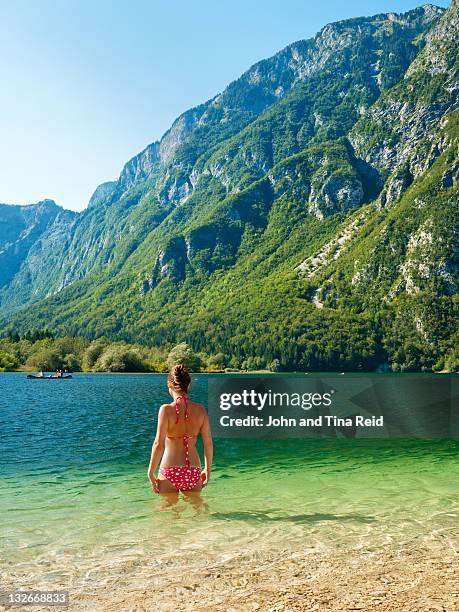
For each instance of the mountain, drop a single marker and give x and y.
(305, 214)
(33, 240)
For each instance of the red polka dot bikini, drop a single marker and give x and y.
(183, 478)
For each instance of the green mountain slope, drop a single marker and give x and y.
(33, 242)
(307, 214)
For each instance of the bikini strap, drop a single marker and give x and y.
(177, 407)
(185, 414)
(187, 451)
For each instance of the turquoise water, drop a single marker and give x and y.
(76, 506)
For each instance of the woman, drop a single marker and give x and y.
(179, 424)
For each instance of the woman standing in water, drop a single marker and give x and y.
(179, 424)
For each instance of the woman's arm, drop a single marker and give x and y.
(157, 448)
(208, 450)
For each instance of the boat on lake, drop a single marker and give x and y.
(38, 377)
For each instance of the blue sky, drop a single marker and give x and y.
(87, 84)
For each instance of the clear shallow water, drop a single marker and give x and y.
(76, 507)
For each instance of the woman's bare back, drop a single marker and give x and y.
(174, 452)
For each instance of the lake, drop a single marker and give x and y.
(76, 506)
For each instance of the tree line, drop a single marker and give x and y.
(41, 351)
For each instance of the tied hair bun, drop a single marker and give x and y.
(179, 378)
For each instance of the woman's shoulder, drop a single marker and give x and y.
(197, 407)
(166, 408)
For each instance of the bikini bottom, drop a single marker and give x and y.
(183, 478)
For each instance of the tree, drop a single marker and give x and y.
(8, 362)
(119, 358)
(452, 360)
(93, 352)
(217, 360)
(47, 360)
(71, 362)
(234, 363)
(13, 336)
(183, 353)
(275, 365)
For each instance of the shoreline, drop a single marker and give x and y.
(407, 578)
(251, 373)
